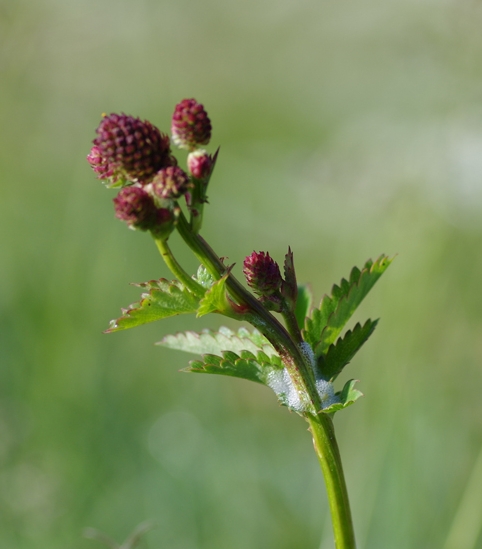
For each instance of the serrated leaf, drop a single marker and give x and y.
(289, 288)
(164, 299)
(214, 299)
(347, 396)
(203, 277)
(327, 322)
(215, 343)
(244, 366)
(209, 342)
(303, 304)
(342, 352)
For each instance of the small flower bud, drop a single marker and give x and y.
(101, 167)
(170, 183)
(262, 273)
(191, 126)
(132, 148)
(200, 164)
(136, 207)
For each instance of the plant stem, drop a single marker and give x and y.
(326, 448)
(177, 270)
(292, 326)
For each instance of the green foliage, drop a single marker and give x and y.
(341, 353)
(164, 299)
(203, 277)
(248, 354)
(215, 343)
(327, 322)
(289, 288)
(303, 304)
(246, 365)
(348, 395)
(214, 300)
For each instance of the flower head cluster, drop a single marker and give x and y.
(135, 155)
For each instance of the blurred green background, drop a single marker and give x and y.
(347, 129)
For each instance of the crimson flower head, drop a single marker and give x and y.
(131, 148)
(136, 207)
(262, 273)
(190, 126)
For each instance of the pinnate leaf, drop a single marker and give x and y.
(347, 396)
(215, 343)
(203, 277)
(246, 365)
(214, 299)
(327, 322)
(341, 353)
(303, 304)
(289, 288)
(163, 299)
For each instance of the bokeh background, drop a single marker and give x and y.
(347, 129)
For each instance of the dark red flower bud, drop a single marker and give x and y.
(136, 207)
(170, 183)
(132, 148)
(199, 164)
(262, 273)
(191, 126)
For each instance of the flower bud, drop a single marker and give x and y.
(262, 273)
(190, 126)
(136, 207)
(200, 164)
(170, 183)
(101, 167)
(132, 148)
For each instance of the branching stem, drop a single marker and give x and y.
(177, 270)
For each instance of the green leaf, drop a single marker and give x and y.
(348, 395)
(327, 322)
(303, 304)
(215, 300)
(215, 343)
(246, 365)
(289, 288)
(164, 299)
(341, 353)
(203, 277)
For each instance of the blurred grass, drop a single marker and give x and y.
(346, 130)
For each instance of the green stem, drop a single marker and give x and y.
(292, 326)
(197, 206)
(177, 270)
(326, 448)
